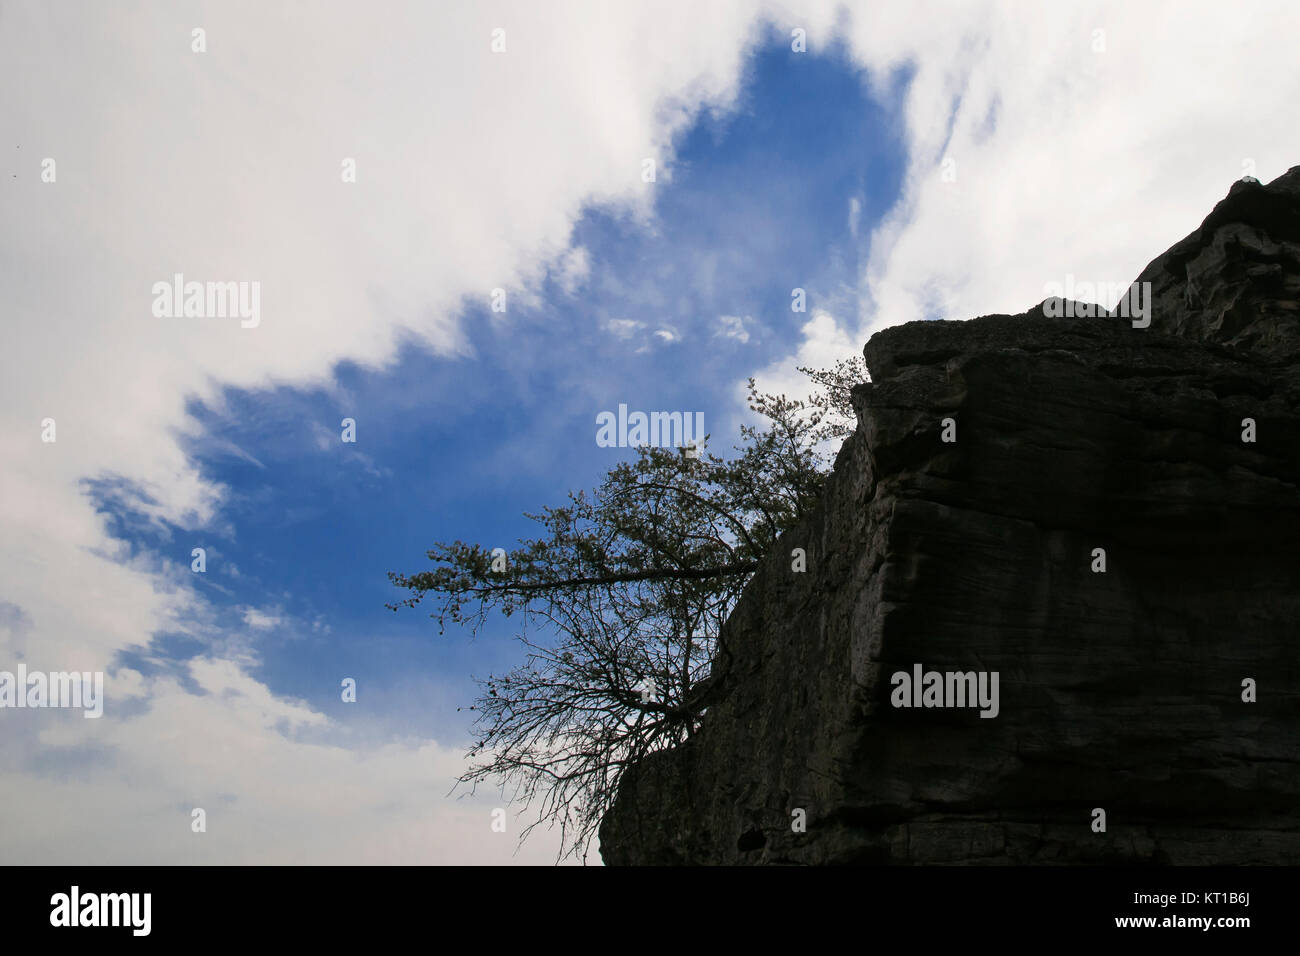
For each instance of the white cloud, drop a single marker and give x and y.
(260, 620)
(271, 790)
(623, 328)
(823, 343)
(573, 268)
(1067, 160)
(733, 327)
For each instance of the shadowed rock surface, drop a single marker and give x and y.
(1119, 690)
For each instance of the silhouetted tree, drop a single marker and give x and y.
(631, 584)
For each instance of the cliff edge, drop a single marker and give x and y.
(1099, 524)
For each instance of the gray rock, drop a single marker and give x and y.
(1119, 690)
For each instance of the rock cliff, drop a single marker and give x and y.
(1098, 531)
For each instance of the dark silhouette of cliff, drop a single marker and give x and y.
(1126, 690)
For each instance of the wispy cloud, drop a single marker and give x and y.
(260, 620)
(734, 327)
(623, 328)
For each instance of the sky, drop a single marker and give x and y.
(896, 161)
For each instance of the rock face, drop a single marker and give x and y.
(1119, 690)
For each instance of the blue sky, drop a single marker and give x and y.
(758, 202)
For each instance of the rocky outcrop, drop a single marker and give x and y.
(1077, 441)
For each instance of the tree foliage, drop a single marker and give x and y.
(622, 597)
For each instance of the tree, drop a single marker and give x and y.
(630, 585)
